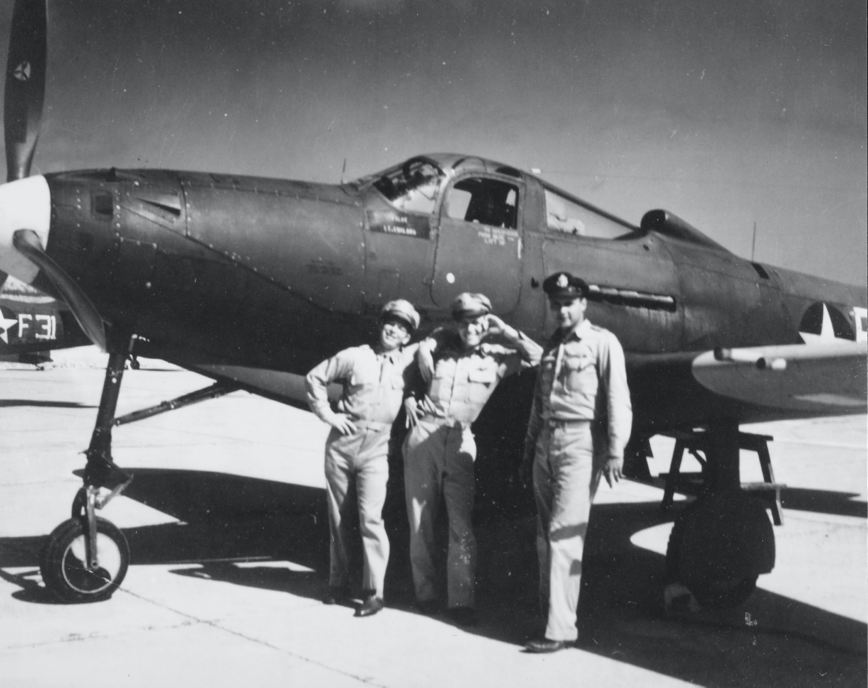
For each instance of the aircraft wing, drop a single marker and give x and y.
(810, 378)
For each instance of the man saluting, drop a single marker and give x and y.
(579, 424)
(462, 371)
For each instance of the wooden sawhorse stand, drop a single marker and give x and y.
(697, 442)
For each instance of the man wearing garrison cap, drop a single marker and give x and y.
(462, 372)
(580, 421)
(357, 447)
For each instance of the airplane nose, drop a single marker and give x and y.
(24, 204)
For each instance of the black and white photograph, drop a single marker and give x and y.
(422, 343)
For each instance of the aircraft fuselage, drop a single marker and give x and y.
(212, 268)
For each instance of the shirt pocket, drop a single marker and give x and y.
(580, 375)
(441, 381)
(481, 383)
(361, 380)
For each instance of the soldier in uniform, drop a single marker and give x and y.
(579, 424)
(356, 453)
(461, 373)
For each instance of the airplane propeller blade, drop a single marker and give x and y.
(27, 242)
(25, 85)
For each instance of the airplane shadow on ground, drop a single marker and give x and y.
(227, 519)
(792, 498)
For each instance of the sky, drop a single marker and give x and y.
(729, 114)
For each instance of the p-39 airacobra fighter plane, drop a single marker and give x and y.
(252, 281)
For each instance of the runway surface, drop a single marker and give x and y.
(225, 520)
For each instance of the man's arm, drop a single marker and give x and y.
(528, 351)
(613, 376)
(425, 355)
(338, 367)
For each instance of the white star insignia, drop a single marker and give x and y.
(827, 331)
(5, 324)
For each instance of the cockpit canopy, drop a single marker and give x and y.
(411, 186)
(480, 194)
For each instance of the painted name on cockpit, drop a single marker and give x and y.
(497, 236)
(401, 224)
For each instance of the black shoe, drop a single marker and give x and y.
(545, 645)
(335, 594)
(370, 606)
(427, 607)
(463, 616)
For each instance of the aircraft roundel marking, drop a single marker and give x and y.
(5, 324)
(22, 72)
(824, 323)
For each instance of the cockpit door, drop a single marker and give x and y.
(479, 241)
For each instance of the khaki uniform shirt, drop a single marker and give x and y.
(373, 384)
(583, 377)
(464, 380)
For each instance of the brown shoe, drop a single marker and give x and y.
(541, 645)
(370, 606)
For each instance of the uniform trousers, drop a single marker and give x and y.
(438, 460)
(565, 481)
(360, 460)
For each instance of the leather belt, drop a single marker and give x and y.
(558, 423)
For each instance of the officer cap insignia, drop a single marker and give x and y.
(565, 284)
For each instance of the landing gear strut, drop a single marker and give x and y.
(86, 557)
(722, 542)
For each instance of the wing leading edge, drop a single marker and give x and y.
(828, 379)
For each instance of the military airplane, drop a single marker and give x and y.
(33, 324)
(251, 281)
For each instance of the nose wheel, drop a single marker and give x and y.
(86, 557)
(65, 556)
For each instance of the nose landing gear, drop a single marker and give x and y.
(86, 557)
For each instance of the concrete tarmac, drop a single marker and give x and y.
(225, 520)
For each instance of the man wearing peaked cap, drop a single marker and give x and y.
(579, 424)
(564, 285)
(403, 310)
(373, 381)
(461, 372)
(469, 305)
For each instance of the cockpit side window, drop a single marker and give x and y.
(565, 216)
(412, 187)
(485, 201)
